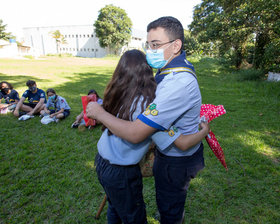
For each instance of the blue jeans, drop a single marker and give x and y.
(172, 177)
(123, 187)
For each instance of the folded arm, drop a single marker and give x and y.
(184, 142)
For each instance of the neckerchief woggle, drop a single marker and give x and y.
(178, 64)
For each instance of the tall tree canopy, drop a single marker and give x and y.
(113, 27)
(234, 24)
(4, 35)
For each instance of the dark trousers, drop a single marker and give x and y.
(123, 187)
(172, 177)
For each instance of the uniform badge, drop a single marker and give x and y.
(147, 111)
(171, 133)
(151, 109)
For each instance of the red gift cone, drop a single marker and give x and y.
(216, 148)
(85, 101)
(210, 112)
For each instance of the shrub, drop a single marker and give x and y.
(250, 75)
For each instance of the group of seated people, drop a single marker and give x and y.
(55, 107)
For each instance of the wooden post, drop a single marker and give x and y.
(101, 207)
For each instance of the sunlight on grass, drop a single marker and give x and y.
(257, 141)
(52, 72)
(152, 220)
(90, 164)
(198, 181)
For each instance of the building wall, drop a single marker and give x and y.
(8, 50)
(81, 41)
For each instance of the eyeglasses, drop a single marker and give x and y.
(154, 46)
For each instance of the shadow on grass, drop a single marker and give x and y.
(18, 81)
(48, 171)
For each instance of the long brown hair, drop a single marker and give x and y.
(132, 79)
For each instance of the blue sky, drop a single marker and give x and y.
(18, 14)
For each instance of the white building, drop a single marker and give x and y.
(8, 48)
(80, 41)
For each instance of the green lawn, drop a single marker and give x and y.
(47, 172)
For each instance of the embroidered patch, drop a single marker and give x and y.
(147, 111)
(152, 106)
(171, 133)
(154, 112)
(151, 109)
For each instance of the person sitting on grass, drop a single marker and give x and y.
(36, 100)
(56, 107)
(80, 122)
(10, 96)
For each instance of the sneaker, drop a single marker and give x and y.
(75, 125)
(56, 120)
(43, 115)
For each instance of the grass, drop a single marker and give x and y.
(47, 172)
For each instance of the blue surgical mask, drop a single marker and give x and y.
(52, 98)
(155, 58)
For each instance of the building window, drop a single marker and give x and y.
(88, 35)
(77, 35)
(91, 35)
(92, 49)
(96, 50)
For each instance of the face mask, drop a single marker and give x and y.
(32, 89)
(6, 90)
(156, 59)
(52, 98)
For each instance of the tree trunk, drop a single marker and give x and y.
(262, 39)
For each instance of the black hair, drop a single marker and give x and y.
(50, 90)
(7, 83)
(30, 83)
(171, 26)
(93, 91)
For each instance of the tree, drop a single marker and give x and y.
(59, 39)
(3, 34)
(191, 45)
(213, 24)
(233, 23)
(113, 28)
